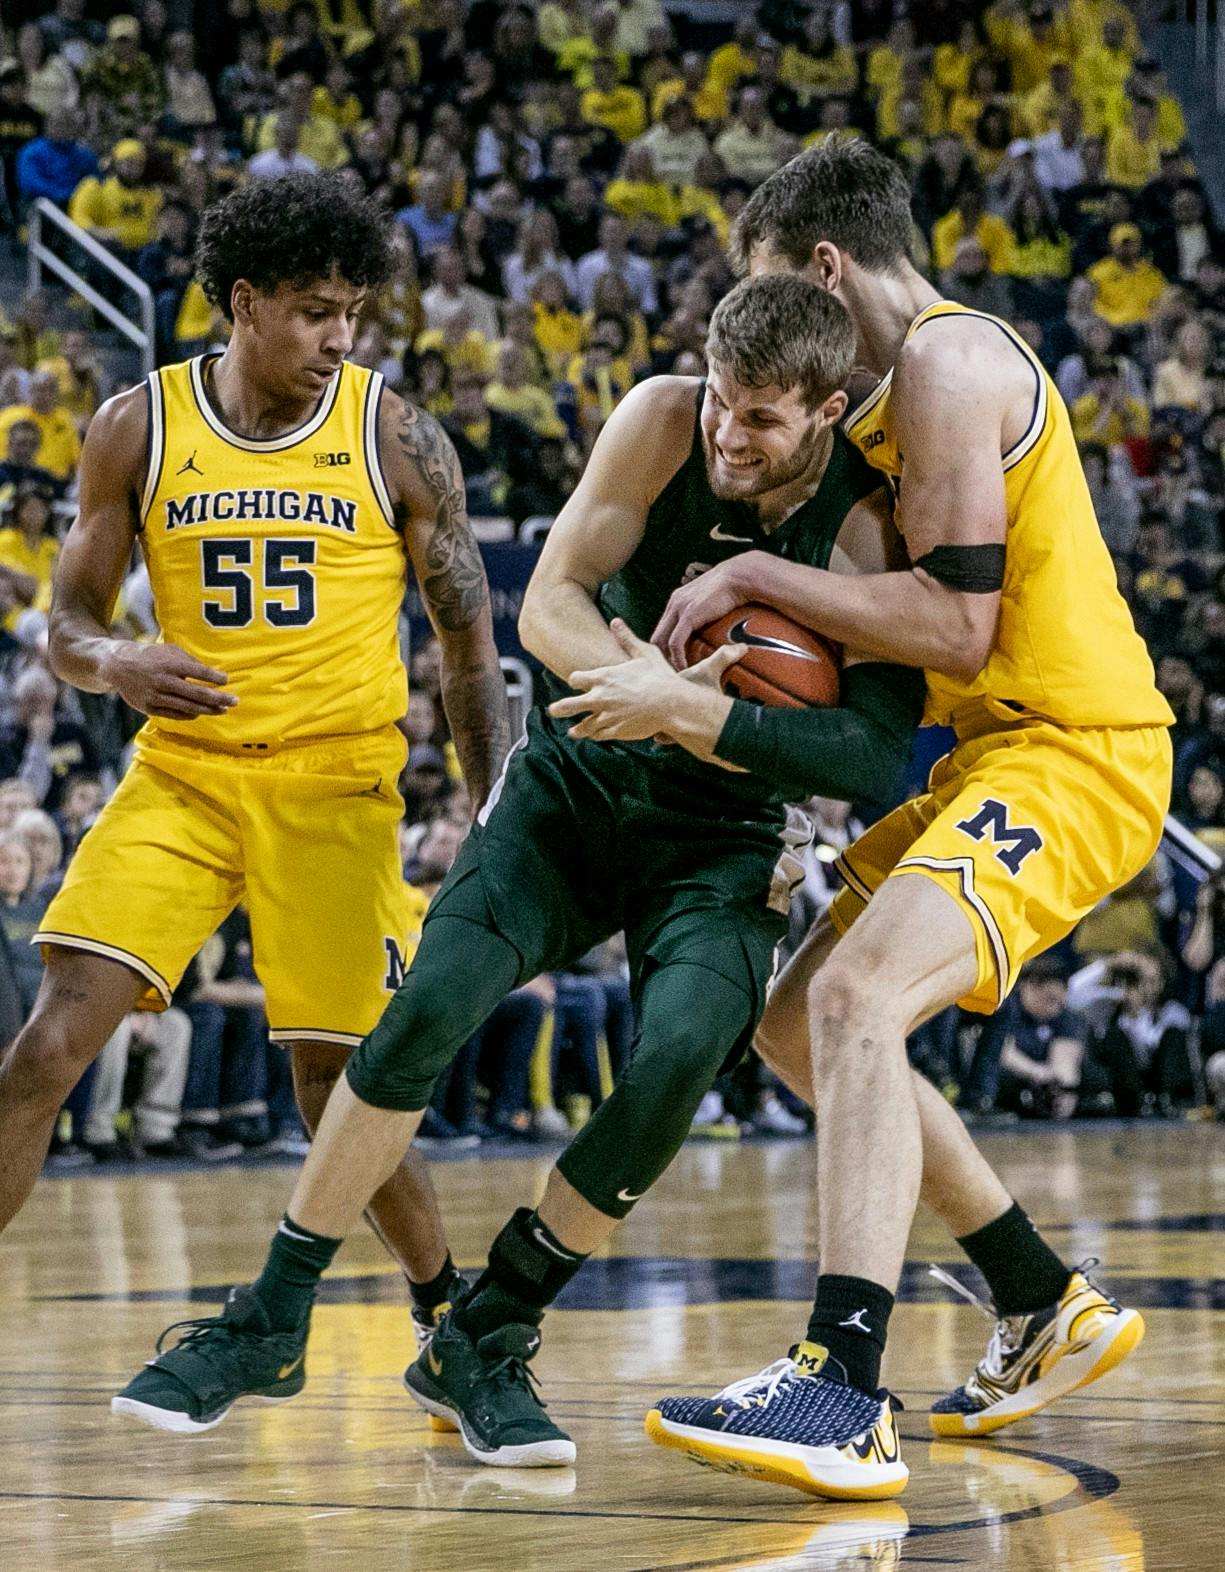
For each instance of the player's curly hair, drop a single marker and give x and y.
(295, 229)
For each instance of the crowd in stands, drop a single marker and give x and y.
(563, 177)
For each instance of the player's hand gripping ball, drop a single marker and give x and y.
(784, 663)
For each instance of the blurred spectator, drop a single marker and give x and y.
(616, 106)
(41, 744)
(512, 393)
(1116, 501)
(189, 99)
(54, 164)
(166, 266)
(319, 137)
(285, 156)
(59, 446)
(20, 123)
(969, 218)
(1182, 380)
(1185, 235)
(1127, 284)
(80, 804)
(537, 250)
(50, 83)
(752, 146)
(1143, 1051)
(970, 281)
(121, 209)
(28, 552)
(614, 256)
(21, 911)
(430, 220)
(1029, 1055)
(163, 1041)
(124, 75)
(675, 143)
(24, 439)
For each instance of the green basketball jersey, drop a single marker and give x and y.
(688, 530)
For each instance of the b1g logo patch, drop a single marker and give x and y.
(324, 460)
(1015, 842)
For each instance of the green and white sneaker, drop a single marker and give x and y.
(487, 1391)
(192, 1386)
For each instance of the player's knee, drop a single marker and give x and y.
(677, 1055)
(845, 1011)
(46, 1061)
(408, 1050)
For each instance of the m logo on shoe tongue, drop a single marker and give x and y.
(810, 1358)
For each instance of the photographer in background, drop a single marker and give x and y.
(1144, 1052)
(1029, 1057)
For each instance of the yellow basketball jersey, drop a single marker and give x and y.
(1066, 648)
(277, 561)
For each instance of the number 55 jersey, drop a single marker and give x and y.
(276, 560)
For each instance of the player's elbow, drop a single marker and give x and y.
(969, 637)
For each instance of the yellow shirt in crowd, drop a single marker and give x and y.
(38, 563)
(1125, 294)
(128, 212)
(60, 449)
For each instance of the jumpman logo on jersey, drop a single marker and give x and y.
(857, 1322)
(191, 465)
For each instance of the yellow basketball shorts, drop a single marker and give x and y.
(1027, 827)
(305, 836)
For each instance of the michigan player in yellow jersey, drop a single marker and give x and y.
(278, 494)
(1053, 795)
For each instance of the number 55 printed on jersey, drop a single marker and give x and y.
(284, 585)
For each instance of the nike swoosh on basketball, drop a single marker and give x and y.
(740, 635)
(718, 533)
(624, 1195)
(287, 1370)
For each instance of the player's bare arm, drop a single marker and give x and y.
(427, 492)
(960, 392)
(645, 696)
(156, 679)
(642, 446)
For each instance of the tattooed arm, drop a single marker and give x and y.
(427, 492)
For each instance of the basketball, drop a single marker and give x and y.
(786, 665)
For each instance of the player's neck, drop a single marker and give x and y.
(882, 307)
(248, 409)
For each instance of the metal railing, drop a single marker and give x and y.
(518, 676)
(42, 257)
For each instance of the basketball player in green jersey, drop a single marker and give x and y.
(580, 838)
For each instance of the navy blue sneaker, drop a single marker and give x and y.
(791, 1425)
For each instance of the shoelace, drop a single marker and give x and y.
(512, 1371)
(766, 1384)
(1009, 1331)
(200, 1329)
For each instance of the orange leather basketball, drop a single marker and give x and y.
(785, 664)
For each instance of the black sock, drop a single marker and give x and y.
(528, 1267)
(297, 1260)
(1022, 1271)
(428, 1296)
(850, 1318)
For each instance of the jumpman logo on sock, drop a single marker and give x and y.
(857, 1323)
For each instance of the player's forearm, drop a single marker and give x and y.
(474, 698)
(562, 627)
(80, 648)
(905, 617)
(856, 752)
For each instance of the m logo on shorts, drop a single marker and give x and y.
(1015, 842)
(397, 965)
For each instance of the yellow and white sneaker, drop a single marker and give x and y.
(791, 1425)
(1033, 1359)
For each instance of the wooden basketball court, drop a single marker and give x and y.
(706, 1282)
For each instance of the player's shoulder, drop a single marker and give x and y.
(958, 356)
(118, 434)
(660, 411)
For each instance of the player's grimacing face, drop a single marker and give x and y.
(306, 331)
(755, 439)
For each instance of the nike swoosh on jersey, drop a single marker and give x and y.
(740, 635)
(718, 533)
